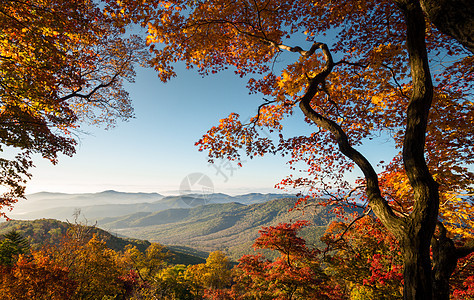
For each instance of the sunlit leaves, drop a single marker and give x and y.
(61, 62)
(295, 273)
(35, 277)
(366, 258)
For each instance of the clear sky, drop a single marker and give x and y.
(155, 151)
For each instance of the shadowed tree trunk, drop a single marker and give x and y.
(445, 259)
(454, 18)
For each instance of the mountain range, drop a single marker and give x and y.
(229, 227)
(190, 222)
(112, 203)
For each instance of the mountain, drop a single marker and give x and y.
(230, 227)
(49, 231)
(46, 200)
(112, 203)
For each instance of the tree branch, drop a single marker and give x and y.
(425, 209)
(378, 204)
(87, 96)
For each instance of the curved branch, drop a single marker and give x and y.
(91, 93)
(454, 18)
(425, 210)
(377, 203)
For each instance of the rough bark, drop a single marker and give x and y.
(421, 222)
(444, 263)
(454, 18)
(445, 259)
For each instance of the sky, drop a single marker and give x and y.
(155, 152)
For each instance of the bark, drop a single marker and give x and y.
(421, 223)
(417, 266)
(444, 263)
(454, 18)
(445, 259)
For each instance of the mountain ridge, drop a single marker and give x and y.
(112, 203)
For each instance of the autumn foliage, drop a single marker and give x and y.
(295, 274)
(398, 71)
(357, 70)
(61, 63)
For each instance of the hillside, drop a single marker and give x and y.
(230, 227)
(49, 231)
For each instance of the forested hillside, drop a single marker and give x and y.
(43, 232)
(230, 227)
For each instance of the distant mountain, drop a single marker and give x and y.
(49, 231)
(230, 227)
(190, 221)
(112, 203)
(46, 200)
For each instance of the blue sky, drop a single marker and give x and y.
(155, 151)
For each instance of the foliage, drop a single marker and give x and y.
(61, 62)
(393, 66)
(214, 275)
(174, 283)
(35, 278)
(94, 268)
(296, 274)
(149, 264)
(462, 281)
(12, 245)
(366, 258)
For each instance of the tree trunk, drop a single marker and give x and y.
(421, 223)
(445, 259)
(454, 18)
(444, 262)
(416, 230)
(417, 264)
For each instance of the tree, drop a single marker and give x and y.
(174, 283)
(295, 274)
(392, 67)
(454, 18)
(366, 258)
(97, 271)
(215, 274)
(12, 245)
(35, 278)
(61, 62)
(148, 266)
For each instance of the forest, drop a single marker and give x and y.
(59, 260)
(400, 70)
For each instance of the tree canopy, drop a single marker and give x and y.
(400, 69)
(61, 62)
(385, 70)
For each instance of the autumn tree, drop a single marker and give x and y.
(380, 73)
(150, 263)
(61, 62)
(295, 274)
(37, 277)
(174, 283)
(365, 257)
(98, 272)
(213, 275)
(148, 266)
